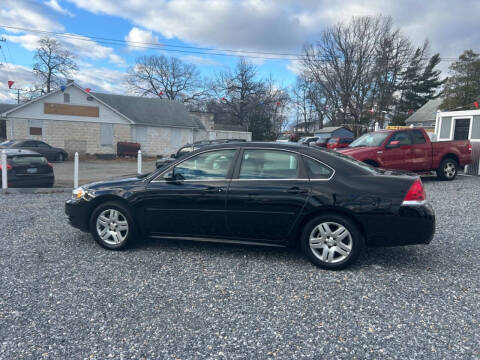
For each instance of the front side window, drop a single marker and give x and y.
(370, 139)
(268, 164)
(212, 165)
(402, 138)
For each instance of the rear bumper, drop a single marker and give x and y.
(43, 180)
(78, 213)
(411, 225)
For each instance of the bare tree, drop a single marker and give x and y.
(166, 77)
(255, 104)
(52, 62)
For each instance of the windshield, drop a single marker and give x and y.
(284, 137)
(370, 139)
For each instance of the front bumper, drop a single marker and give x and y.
(409, 226)
(78, 213)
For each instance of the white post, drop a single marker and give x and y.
(75, 171)
(4, 171)
(139, 162)
(377, 127)
(478, 167)
(411, 126)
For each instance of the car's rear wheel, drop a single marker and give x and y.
(331, 241)
(112, 226)
(448, 169)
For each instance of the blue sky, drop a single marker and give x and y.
(275, 26)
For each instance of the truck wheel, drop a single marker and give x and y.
(448, 169)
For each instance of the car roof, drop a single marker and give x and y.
(20, 152)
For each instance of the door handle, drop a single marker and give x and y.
(213, 189)
(297, 190)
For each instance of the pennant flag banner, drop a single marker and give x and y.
(88, 90)
(63, 87)
(10, 83)
(160, 93)
(475, 104)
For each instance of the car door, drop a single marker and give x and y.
(399, 157)
(188, 199)
(268, 190)
(421, 158)
(45, 149)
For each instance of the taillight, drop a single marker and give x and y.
(416, 194)
(50, 164)
(9, 167)
(469, 147)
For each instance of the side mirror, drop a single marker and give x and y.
(170, 176)
(173, 156)
(393, 144)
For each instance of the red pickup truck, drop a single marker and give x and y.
(412, 150)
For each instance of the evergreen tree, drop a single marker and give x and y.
(462, 88)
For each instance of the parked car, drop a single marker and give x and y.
(307, 140)
(28, 169)
(188, 148)
(412, 150)
(338, 142)
(261, 193)
(50, 152)
(321, 142)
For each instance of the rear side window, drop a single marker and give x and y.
(418, 137)
(346, 141)
(317, 170)
(333, 141)
(268, 164)
(27, 161)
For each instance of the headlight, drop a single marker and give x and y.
(81, 193)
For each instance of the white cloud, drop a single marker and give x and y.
(22, 76)
(140, 36)
(28, 14)
(98, 79)
(53, 4)
(81, 46)
(285, 25)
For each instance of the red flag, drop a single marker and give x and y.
(278, 103)
(160, 93)
(88, 90)
(223, 99)
(475, 103)
(10, 83)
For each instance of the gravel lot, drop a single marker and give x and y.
(63, 297)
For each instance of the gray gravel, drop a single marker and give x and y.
(64, 297)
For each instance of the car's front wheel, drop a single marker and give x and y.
(331, 241)
(112, 226)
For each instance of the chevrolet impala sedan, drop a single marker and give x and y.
(330, 205)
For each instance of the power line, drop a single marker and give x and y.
(183, 48)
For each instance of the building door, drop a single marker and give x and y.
(462, 128)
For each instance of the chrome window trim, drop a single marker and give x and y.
(254, 148)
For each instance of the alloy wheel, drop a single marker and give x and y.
(330, 242)
(112, 226)
(449, 169)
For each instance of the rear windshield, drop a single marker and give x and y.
(370, 139)
(27, 161)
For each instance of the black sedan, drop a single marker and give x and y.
(50, 152)
(261, 193)
(28, 169)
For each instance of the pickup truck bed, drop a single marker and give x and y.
(412, 150)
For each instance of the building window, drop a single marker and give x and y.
(35, 127)
(106, 134)
(66, 98)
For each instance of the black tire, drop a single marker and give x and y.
(124, 213)
(355, 240)
(448, 169)
(60, 157)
